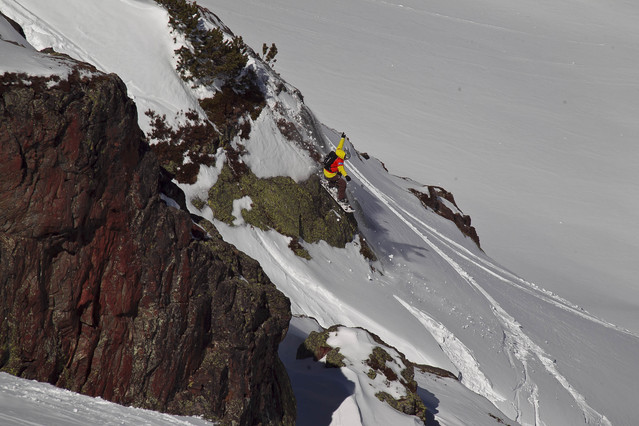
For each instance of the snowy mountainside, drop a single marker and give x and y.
(513, 106)
(431, 293)
(20, 57)
(435, 296)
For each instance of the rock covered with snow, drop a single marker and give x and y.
(382, 371)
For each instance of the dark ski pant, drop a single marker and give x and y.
(340, 182)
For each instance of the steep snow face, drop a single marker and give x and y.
(436, 297)
(129, 38)
(525, 110)
(18, 56)
(269, 152)
(432, 294)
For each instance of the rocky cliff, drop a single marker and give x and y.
(108, 291)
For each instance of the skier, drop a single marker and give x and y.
(334, 168)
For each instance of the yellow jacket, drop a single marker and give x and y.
(338, 165)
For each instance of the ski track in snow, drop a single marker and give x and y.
(315, 296)
(515, 281)
(320, 298)
(516, 342)
(459, 354)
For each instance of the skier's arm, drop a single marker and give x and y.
(340, 164)
(342, 170)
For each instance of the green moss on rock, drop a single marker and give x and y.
(411, 404)
(377, 361)
(198, 203)
(300, 210)
(298, 249)
(315, 346)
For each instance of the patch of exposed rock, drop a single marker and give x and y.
(443, 203)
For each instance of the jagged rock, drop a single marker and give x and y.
(434, 200)
(315, 346)
(104, 289)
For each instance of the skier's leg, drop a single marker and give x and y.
(341, 188)
(332, 182)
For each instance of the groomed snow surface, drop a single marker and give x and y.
(523, 353)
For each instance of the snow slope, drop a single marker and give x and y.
(433, 295)
(140, 25)
(20, 57)
(25, 402)
(436, 297)
(525, 110)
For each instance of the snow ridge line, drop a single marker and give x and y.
(521, 345)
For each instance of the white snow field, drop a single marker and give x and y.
(524, 354)
(525, 110)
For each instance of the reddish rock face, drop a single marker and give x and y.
(104, 289)
(434, 200)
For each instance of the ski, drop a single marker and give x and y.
(345, 205)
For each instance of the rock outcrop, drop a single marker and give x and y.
(299, 210)
(108, 291)
(443, 203)
(382, 370)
